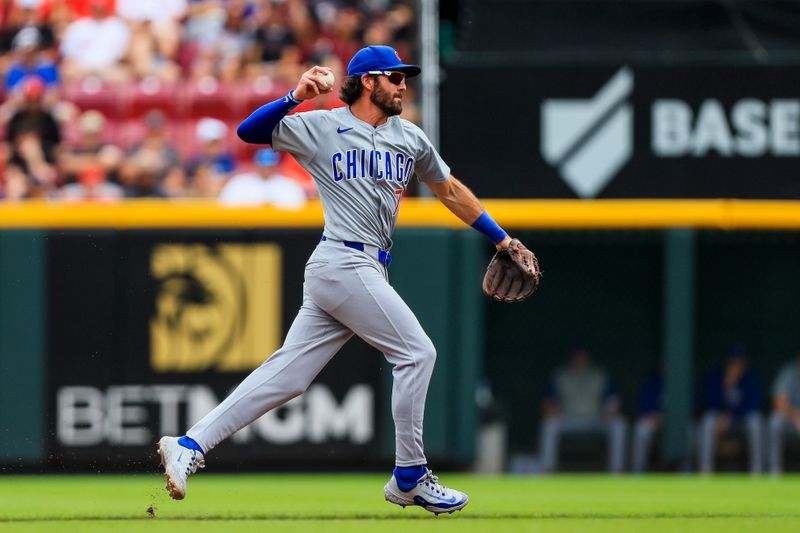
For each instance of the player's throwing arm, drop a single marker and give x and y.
(513, 274)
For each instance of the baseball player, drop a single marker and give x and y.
(362, 158)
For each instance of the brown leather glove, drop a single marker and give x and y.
(513, 274)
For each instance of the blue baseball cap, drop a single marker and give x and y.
(266, 157)
(379, 58)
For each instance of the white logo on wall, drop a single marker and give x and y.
(749, 128)
(589, 141)
(134, 415)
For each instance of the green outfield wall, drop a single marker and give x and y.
(86, 380)
(23, 344)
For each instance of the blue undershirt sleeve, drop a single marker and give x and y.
(257, 128)
(486, 225)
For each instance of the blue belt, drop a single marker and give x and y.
(384, 257)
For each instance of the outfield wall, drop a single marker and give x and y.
(122, 322)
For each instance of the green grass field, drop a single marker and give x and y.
(350, 502)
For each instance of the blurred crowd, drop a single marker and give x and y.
(731, 426)
(110, 99)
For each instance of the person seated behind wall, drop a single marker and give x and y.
(265, 185)
(91, 149)
(155, 149)
(650, 420)
(34, 136)
(581, 402)
(785, 411)
(15, 184)
(211, 166)
(92, 184)
(155, 36)
(142, 175)
(732, 398)
(27, 60)
(96, 45)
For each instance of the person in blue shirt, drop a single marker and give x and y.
(732, 400)
(211, 166)
(27, 61)
(649, 421)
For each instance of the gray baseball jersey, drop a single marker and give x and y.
(361, 171)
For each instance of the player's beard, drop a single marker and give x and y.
(385, 101)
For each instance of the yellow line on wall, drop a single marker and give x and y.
(514, 214)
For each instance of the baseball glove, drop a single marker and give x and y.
(513, 275)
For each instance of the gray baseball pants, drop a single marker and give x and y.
(552, 428)
(643, 432)
(707, 436)
(346, 292)
(779, 425)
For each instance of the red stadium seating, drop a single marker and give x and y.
(253, 94)
(93, 93)
(208, 98)
(184, 104)
(152, 94)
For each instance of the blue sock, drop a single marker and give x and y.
(407, 476)
(188, 442)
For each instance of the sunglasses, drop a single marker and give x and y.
(395, 77)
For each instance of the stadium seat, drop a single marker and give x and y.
(129, 133)
(208, 97)
(93, 93)
(253, 94)
(150, 94)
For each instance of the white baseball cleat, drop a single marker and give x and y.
(428, 494)
(179, 463)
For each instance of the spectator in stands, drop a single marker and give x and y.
(34, 135)
(264, 186)
(650, 420)
(140, 176)
(118, 41)
(18, 15)
(28, 61)
(343, 36)
(92, 184)
(272, 35)
(220, 35)
(400, 18)
(234, 41)
(732, 397)
(580, 401)
(155, 36)
(91, 149)
(378, 31)
(96, 45)
(210, 168)
(171, 177)
(15, 184)
(275, 50)
(153, 167)
(785, 416)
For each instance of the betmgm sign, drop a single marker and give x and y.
(216, 307)
(121, 415)
(181, 322)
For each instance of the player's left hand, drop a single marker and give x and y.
(312, 84)
(513, 275)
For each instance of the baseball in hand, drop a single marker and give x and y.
(327, 78)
